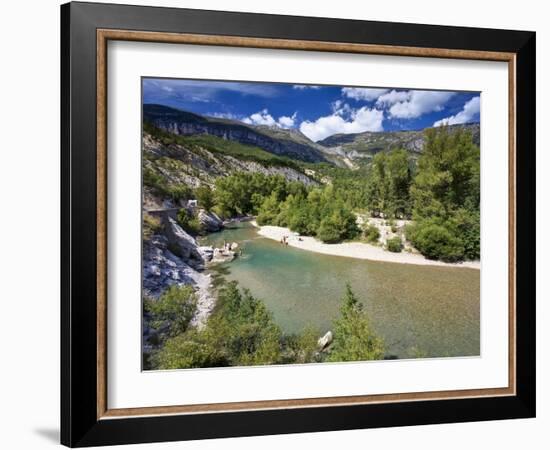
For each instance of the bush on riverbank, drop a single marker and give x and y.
(394, 244)
(242, 332)
(173, 310)
(371, 233)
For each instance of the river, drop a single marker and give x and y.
(419, 311)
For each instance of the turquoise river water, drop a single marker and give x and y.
(420, 311)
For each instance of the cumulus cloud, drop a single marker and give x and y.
(287, 121)
(366, 94)
(392, 97)
(260, 118)
(469, 111)
(343, 120)
(341, 108)
(412, 104)
(264, 118)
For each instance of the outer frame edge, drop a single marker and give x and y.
(103, 433)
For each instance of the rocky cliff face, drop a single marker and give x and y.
(173, 257)
(364, 145)
(279, 142)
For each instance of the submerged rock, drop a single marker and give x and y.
(223, 255)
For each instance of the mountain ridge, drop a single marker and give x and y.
(179, 122)
(339, 149)
(366, 144)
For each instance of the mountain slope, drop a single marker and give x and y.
(172, 161)
(289, 143)
(365, 145)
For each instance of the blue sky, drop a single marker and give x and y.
(317, 111)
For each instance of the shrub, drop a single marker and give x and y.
(151, 225)
(371, 233)
(437, 242)
(176, 307)
(240, 332)
(329, 231)
(189, 222)
(394, 244)
(179, 192)
(205, 197)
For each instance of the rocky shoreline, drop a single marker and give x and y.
(174, 257)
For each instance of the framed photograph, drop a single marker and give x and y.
(276, 224)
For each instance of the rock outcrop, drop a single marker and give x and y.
(325, 340)
(210, 221)
(162, 268)
(182, 244)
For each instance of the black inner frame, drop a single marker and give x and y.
(79, 423)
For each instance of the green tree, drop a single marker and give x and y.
(389, 183)
(445, 195)
(188, 221)
(205, 197)
(269, 210)
(354, 339)
(175, 308)
(240, 332)
(399, 182)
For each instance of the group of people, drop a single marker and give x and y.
(284, 240)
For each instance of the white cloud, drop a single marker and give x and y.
(360, 120)
(305, 86)
(341, 108)
(415, 103)
(260, 118)
(392, 97)
(469, 111)
(366, 94)
(264, 118)
(287, 121)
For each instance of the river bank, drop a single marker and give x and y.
(357, 250)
